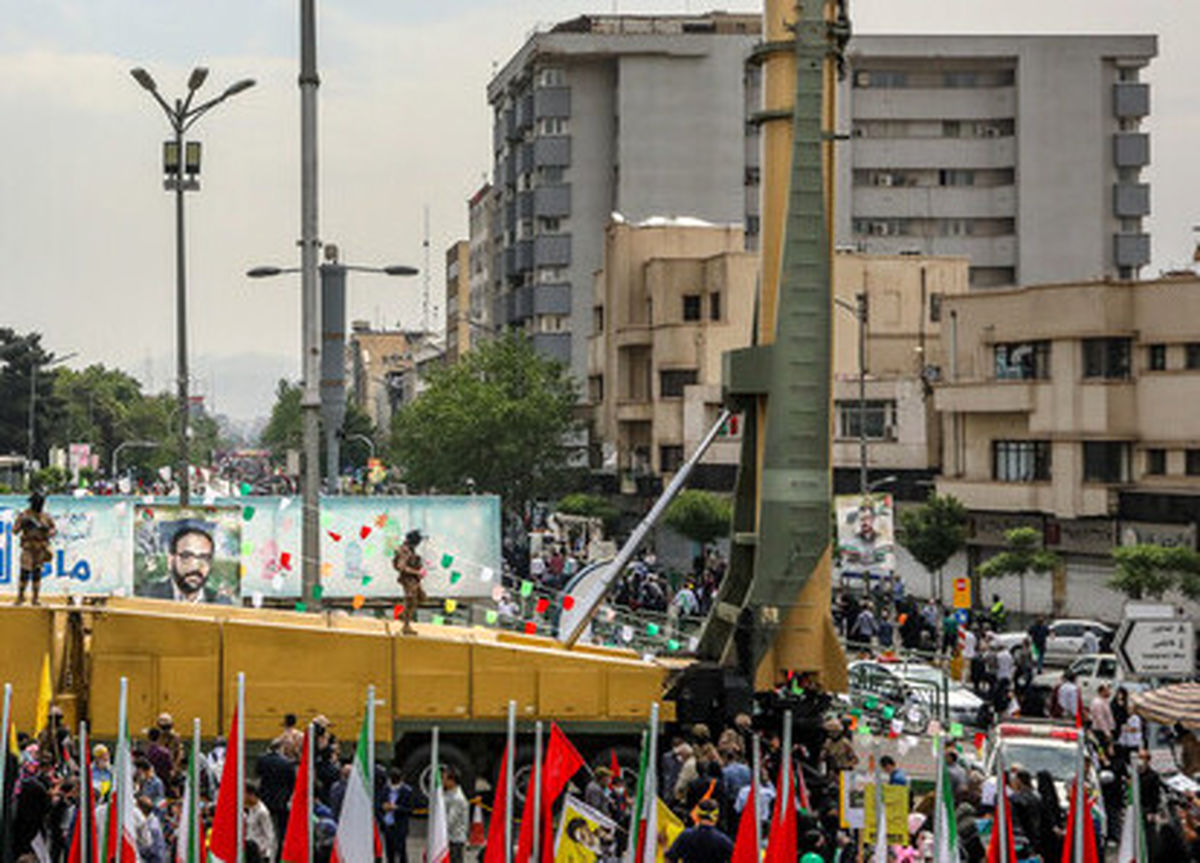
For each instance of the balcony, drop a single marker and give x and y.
(1131, 99)
(999, 496)
(939, 153)
(555, 346)
(632, 411)
(552, 201)
(552, 102)
(934, 104)
(1131, 149)
(998, 251)
(999, 397)
(935, 202)
(552, 151)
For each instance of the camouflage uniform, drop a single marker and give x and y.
(36, 530)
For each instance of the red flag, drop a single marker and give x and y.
(494, 853)
(295, 841)
(562, 762)
(1005, 829)
(615, 766)
(745, 847)
(802, 790)
(1089, 833)
(781, 843)
(223, 843)
(85, 813)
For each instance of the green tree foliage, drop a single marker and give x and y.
(591, 506)
(935, 531)
(19, 354)
(498, 418)
(1149, 571)
(1023, 555)
(283, 430)
(701, 516)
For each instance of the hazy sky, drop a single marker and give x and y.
(87, 232)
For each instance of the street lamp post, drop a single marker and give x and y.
(131, 443)
(180, 160)
(33, 373)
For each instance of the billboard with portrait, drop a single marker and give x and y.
(187, 554)
(866, 540)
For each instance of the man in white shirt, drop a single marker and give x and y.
(260, 829)
(1068, 696)
(458, 816)
(1101, 714)
(1091, 644)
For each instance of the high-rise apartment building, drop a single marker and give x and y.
(458, 300)
(641, 115)
(1024, 153)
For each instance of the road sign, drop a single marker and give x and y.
(962, 592)
(1157, 646)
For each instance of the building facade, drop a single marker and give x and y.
(481, 211)
(1070, 408)
(1023, 153)
(641, 115)
(458, 299)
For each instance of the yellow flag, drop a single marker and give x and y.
(12, 740)
(669, 828)
(41, 715)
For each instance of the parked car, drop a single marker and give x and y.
(917, 683)
(1090, 672)
(1065, 640)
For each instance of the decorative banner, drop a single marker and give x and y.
(895, 804)
(188, 554)
(865, 534)
(458, 532)
(90, 552)
(584, 834)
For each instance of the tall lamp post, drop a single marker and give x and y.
(181, 166)
(332, 346)
(33, 374)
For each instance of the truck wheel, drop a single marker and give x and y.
(418, 771)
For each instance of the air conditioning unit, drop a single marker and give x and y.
(862, 79)
(886, 179)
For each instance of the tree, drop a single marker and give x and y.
(495, 421)
(19, 354)
(934, 532)
(283, 430)
(1024, 554)
(701, 516)
(591, 506)
(1149, 571)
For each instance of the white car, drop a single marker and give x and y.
(924, 683)
(1066, 639)
(1090, 672)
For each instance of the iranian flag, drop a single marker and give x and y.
(945, 825)
(496, 838)
(782, 838)
(1133, 828)
(437, 846)
(223, 844)
(355, 839)
(121, 832)
(83, 838)
(745, 848)
(189, 845)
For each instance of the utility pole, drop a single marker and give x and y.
(310, 398)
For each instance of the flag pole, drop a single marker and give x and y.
(649, 849)
(7, 734)
(880, 809)
(119, 790)
(1000, 821)
(84, 818)
(939, 788)
(535, 856)
(1140, 854)
(1080, 800)
(370, 777)
(194, 831)
(240, 754)
(786, 764)
(508, 781)
(310, 747)
(755, 779)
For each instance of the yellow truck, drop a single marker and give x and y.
(184, 660)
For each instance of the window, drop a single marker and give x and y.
(714, 306)
(672, 381)
(1191, 462)
(1105, 461)
(1191, 355)
(1106, 358)
(878, 418)
(597, 319)
(552, 126)
(551, 76)
(956, 178)
(1156, 358)
(670, 458)
(691, 307)
(951, 129)
(1023, 361)
(596, 389)
(550, 225)
(935, 308)
(1156, 462)
(1020, 460)
(960, 79)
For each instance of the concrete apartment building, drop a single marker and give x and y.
(673, 296)
(1071, 408)
(481, 210)
(641, 115)
(1023, 153)
(458, 299)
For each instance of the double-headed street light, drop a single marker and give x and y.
(181, 167)
(332, 371)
